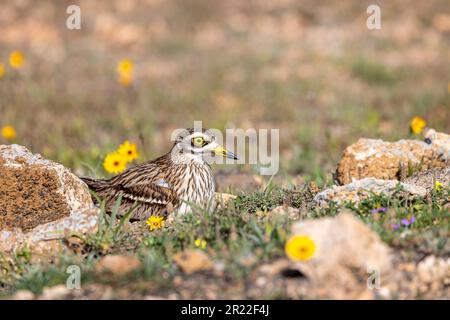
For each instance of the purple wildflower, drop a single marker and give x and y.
(405, 222)
(381, 209)
(412, 219)
(395, 226)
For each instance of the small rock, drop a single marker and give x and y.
(58, 292)
(150, 297)
(118, 265)
(23, 295)
(191, 261)
(224, 198)
(361, 189)
(292, 213)
(370, 158)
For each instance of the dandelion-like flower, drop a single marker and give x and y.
(300, 248)
(8, 132)
(125, 72)
(438, 186)
(417, 125)
(114, 163)
(128, 151)
(125, 66)
(155, 222)
(200, 243)
(16, 59)
(2, 70)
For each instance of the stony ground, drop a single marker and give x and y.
(311, 69)
(238, 252)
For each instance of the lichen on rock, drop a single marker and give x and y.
(40, 200)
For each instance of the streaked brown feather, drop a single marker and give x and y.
(139, 185)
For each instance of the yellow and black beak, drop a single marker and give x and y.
(219, 151)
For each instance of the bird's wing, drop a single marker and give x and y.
(150, 198)
(148, 193)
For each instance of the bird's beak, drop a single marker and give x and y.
(219, 151)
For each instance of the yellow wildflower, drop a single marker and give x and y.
(417, 125)
(128, 151)
(114, 163)
(2, 70)
(300, 248)
(16, 59)
(438, 186)
(125, 66)
(155, 222)
(8, 132)
(200, 243)
(125, 72)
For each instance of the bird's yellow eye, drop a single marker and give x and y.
(198, 142)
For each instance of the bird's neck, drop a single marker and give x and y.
(181, 157)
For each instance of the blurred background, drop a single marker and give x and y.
(310, 68)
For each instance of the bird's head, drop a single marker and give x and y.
(198, 145)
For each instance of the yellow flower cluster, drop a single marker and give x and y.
(125, 72)
(155, 222)
(200, 243)
(300, 248)
(16, 61)
(116, 161)
(417, 125)
(8, 132)
(438, 186)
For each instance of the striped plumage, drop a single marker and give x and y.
(169, 183)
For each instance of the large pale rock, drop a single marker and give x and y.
(40, 201)
(370, 158)
(361, 189)
(342, 241)
(347, 252)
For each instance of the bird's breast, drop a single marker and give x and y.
(194, 184)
